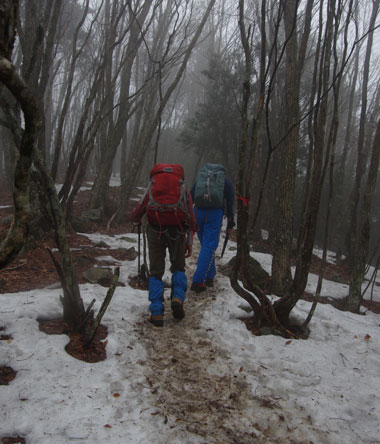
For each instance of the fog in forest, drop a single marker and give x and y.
(285, 94)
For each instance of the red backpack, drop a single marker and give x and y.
(167, 197)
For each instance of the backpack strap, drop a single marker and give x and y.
(183, 195)
(207, 196)
(149, 191)
(178, 221)
(145, 192)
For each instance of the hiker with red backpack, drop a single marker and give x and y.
(213, 194)
(168, 206)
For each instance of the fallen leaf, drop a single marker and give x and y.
(288, 342)
(108, 426)
(116, 395)
(367, 337)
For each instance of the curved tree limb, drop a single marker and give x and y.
(16, 235)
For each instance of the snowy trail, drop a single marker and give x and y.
(203, 380)
(194, 383)
(199, 391)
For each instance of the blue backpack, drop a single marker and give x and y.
(209, 186)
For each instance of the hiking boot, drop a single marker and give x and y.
(198, 288)
(177, 308)
(157, 320)
(209, 282)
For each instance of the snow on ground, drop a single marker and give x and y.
(330, 257)
(326, 386)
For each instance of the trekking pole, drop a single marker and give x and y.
(138, 249)
(225, 243)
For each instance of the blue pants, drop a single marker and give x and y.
(210, 223)
(171, 239)
(156, 291)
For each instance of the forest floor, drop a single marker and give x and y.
(185, 383)
(192, 381)
(34, 268)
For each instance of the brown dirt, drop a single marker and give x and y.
(93, 352)
(173, 372)
(33, 269)
(7, 374)
(336, 273)
(200, 390)
(13, 440)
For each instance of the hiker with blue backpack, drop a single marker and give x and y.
(213, 195)
(168, 206)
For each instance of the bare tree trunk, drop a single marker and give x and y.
(284, 306)
(149, 131)
(281, 275)
(38, 40)
(332, 138)
(45, 80)
(342, 172)
(79, 143)
(322, 155)
(74, 57)
(354, 202)
(73, 308)
(8, 28)
(240, 269)
(116, 132)
(9, 158)
(17, 233)
(361, 248)
(123, 155)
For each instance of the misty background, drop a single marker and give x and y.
(285, 94)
